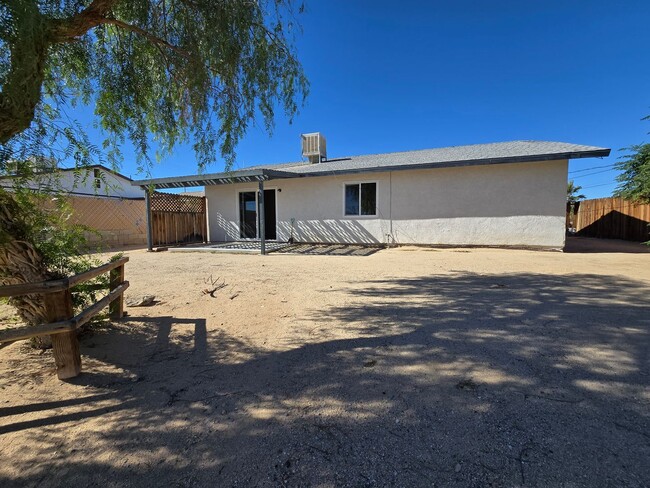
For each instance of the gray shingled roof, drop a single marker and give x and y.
(499, 152)
(476, 154)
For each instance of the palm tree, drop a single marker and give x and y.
(573, 197)
(20, 260)
(572, 193)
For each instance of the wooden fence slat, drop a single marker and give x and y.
(25, 332)
(178, 219)
(613, 218)
(91, 311)
(61, 326)
(29, 288)
(95, 272)
(59, 285)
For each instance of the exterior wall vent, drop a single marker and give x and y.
(314, 147)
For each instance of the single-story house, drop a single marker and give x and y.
(500, 194)
(99, 198)
(91, 181)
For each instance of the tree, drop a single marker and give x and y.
(37, 242)
(635, 177)
(168, 70)
(163, 71)
(572, 195)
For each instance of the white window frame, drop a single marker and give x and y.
(359, 183)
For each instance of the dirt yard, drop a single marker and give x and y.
(408, 367)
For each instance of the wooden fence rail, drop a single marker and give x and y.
(62, 323)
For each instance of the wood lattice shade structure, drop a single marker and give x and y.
(170, 202)
(227, 178)
(177, 219)
(170, 216)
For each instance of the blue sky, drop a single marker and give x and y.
(394, 76)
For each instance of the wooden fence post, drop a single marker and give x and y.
(65, 345)
(116, 307)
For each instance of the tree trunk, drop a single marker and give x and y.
(20, 262)
(29, 46)
(21, 91)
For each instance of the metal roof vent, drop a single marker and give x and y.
(314, 147)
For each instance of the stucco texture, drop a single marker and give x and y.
(520, 204)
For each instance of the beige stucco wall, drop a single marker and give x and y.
(113, 222)
(520, 204)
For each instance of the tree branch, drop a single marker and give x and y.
(62, 30)
(150, 37)
(96, 14)
(21, 91)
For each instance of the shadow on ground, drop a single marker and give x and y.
(451, 380)
(330, 249)
(590, 245)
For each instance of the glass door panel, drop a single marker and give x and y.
(247, 215)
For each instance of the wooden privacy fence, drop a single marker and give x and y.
(177, 219)
(612, 218)
(63, 324)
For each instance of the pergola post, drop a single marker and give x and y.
(147, 199)
(261, 218)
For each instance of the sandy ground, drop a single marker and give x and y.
(408, 367)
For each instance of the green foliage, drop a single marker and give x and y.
(572, 193)
(635, 177)
(44, 220)
(41, 218)
(158, 71)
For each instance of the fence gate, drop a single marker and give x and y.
(177, 219)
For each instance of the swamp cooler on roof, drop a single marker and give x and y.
(314, 147)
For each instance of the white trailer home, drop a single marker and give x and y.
(500, 194)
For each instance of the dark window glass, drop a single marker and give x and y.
(368, 198)
(351, 199)
(97, 174)
(247, 215)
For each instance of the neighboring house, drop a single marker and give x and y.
(198, 193)
(100, 199)
(501, 194)
(96, 180)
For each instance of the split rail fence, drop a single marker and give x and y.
(177, 219)
(63, 323)
(612, 218)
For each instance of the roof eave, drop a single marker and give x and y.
(264, 174)
(473, 162)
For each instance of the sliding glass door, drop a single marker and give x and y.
(247, 215)
(248, 221)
